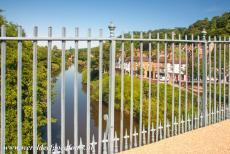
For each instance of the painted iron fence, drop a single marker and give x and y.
(183, 84)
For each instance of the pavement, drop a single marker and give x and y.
(213, 139)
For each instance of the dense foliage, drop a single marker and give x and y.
(218, 25)
(11, 86)
(136, 96)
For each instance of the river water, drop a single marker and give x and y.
(69, 111)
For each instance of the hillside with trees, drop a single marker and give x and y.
(221, 28)
(217, 26)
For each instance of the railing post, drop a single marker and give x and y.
(204, 65)
(100, 93)
(19, 93)
(35, 91)
(228, 79)
(63, 91)
(88, 93)
(3, 89)
(76, 92)
(111, 87)
(49, 125)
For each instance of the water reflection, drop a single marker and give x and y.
(69, 104)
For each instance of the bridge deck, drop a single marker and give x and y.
(213, 139)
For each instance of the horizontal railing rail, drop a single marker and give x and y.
(105, 39)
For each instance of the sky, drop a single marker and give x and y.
(127, 15)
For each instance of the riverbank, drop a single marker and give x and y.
(145, 96)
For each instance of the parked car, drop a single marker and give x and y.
(162, 78)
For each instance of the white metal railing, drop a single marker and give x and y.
(208, 112)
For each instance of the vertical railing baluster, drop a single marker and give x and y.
(160, 131)
(192, 87)
(198, 81)
(215, 79)
(104, 144)
(224, 79)
(100, 91)
(204, 84)
(141, 88)
(112, 87)
(63, 92)
(93, 145)
(210, 81)
(3, 89)
(126, 139)
(228, 78)
(122, 93)
(173, 84)
(196, 118)
(88, 92)
(168, 129)
(144, 132)
(68, 147)
(219, 71)
(186, 85)
(212, 116)
(201, 119)
(150, 88)
(131, 91)
(81, 146)
(35, 91)
(153, 132)
(165, 89)
(135, 137)
(176, 125)
(182, 124)
(76, 92)
(158, 86)
(189, 123)
(19, 91)
(116, 139)
(131, 86)
(179, 108)
(49, 135)
(56, 149)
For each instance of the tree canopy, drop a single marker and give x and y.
(27, 82)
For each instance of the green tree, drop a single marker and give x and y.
(11, 86)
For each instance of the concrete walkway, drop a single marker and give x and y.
(213, 139)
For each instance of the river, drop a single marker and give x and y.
(69, 110)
